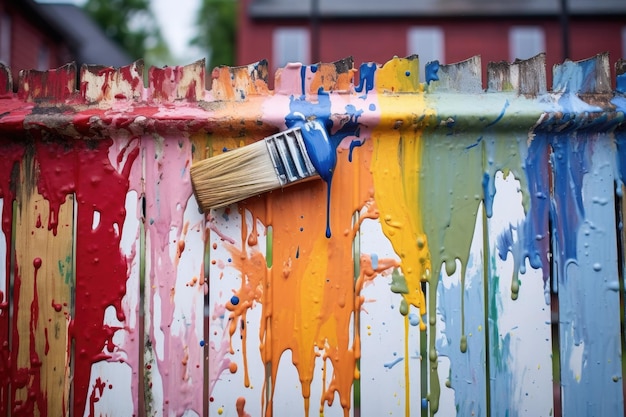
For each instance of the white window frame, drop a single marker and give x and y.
(526, 42)
(428, 42)
(290, 44)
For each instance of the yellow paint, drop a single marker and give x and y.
(395, 168)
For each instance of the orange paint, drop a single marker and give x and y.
(307, 295)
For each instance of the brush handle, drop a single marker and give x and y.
(289, 156)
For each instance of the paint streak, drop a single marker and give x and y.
(174, 337)
(81, 168)
(396, 163)
(12, 153)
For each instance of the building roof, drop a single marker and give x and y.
(430, 8)
(90, 43)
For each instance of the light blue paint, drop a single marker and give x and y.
(589, 314)
(467, 371)
(394, 362)
(374, 259)
(500, 374)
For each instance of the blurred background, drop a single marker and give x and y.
(42, 34)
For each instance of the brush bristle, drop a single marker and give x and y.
(233, 176)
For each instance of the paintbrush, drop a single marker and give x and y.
(288, 157)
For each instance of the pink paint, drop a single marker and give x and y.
(168, 189)
(218, 353)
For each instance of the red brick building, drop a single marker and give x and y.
(445, 30)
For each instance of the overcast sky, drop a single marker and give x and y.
(177, 19)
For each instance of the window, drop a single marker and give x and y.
(43, 57)
(427, 43)
(525, 42)
(290, 45)
(5, 39)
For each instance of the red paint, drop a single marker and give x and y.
(96, 394)
(57, 307)
(71, 167)
(58, 84)
(12, 153)
(29, 378)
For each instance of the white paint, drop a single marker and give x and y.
(116, 398)
(527, 319)
(95, 222)
(382, 338)
(129, 243)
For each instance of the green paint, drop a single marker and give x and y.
(66, 270)
(269, 246)
(398, 283)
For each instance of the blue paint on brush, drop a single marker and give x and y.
(322, 147)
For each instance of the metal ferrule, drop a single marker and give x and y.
(289, 156)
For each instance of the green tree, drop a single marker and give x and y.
(132, 24)
(217, 24)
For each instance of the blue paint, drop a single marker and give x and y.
(424, 403)
(407, 73)
(501, 115)
(234, 300)
(314, 68)
(372, 107)
(202, 343)
(621, 83)
(414, 319)
(394, 362)
(470, 398)
(589, 314)
(432, 68)
(354, 144)
(303, 80)
(569, 162)
(374, 259)
(620, 102)
(473, 145)
(321, 147)
(366, 78)
(489, 191)
(620, 142)
(323, 156)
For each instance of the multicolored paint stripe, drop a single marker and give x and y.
(464, 257)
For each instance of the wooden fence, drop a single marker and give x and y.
(474, 268)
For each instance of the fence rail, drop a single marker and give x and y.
(474, 267)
